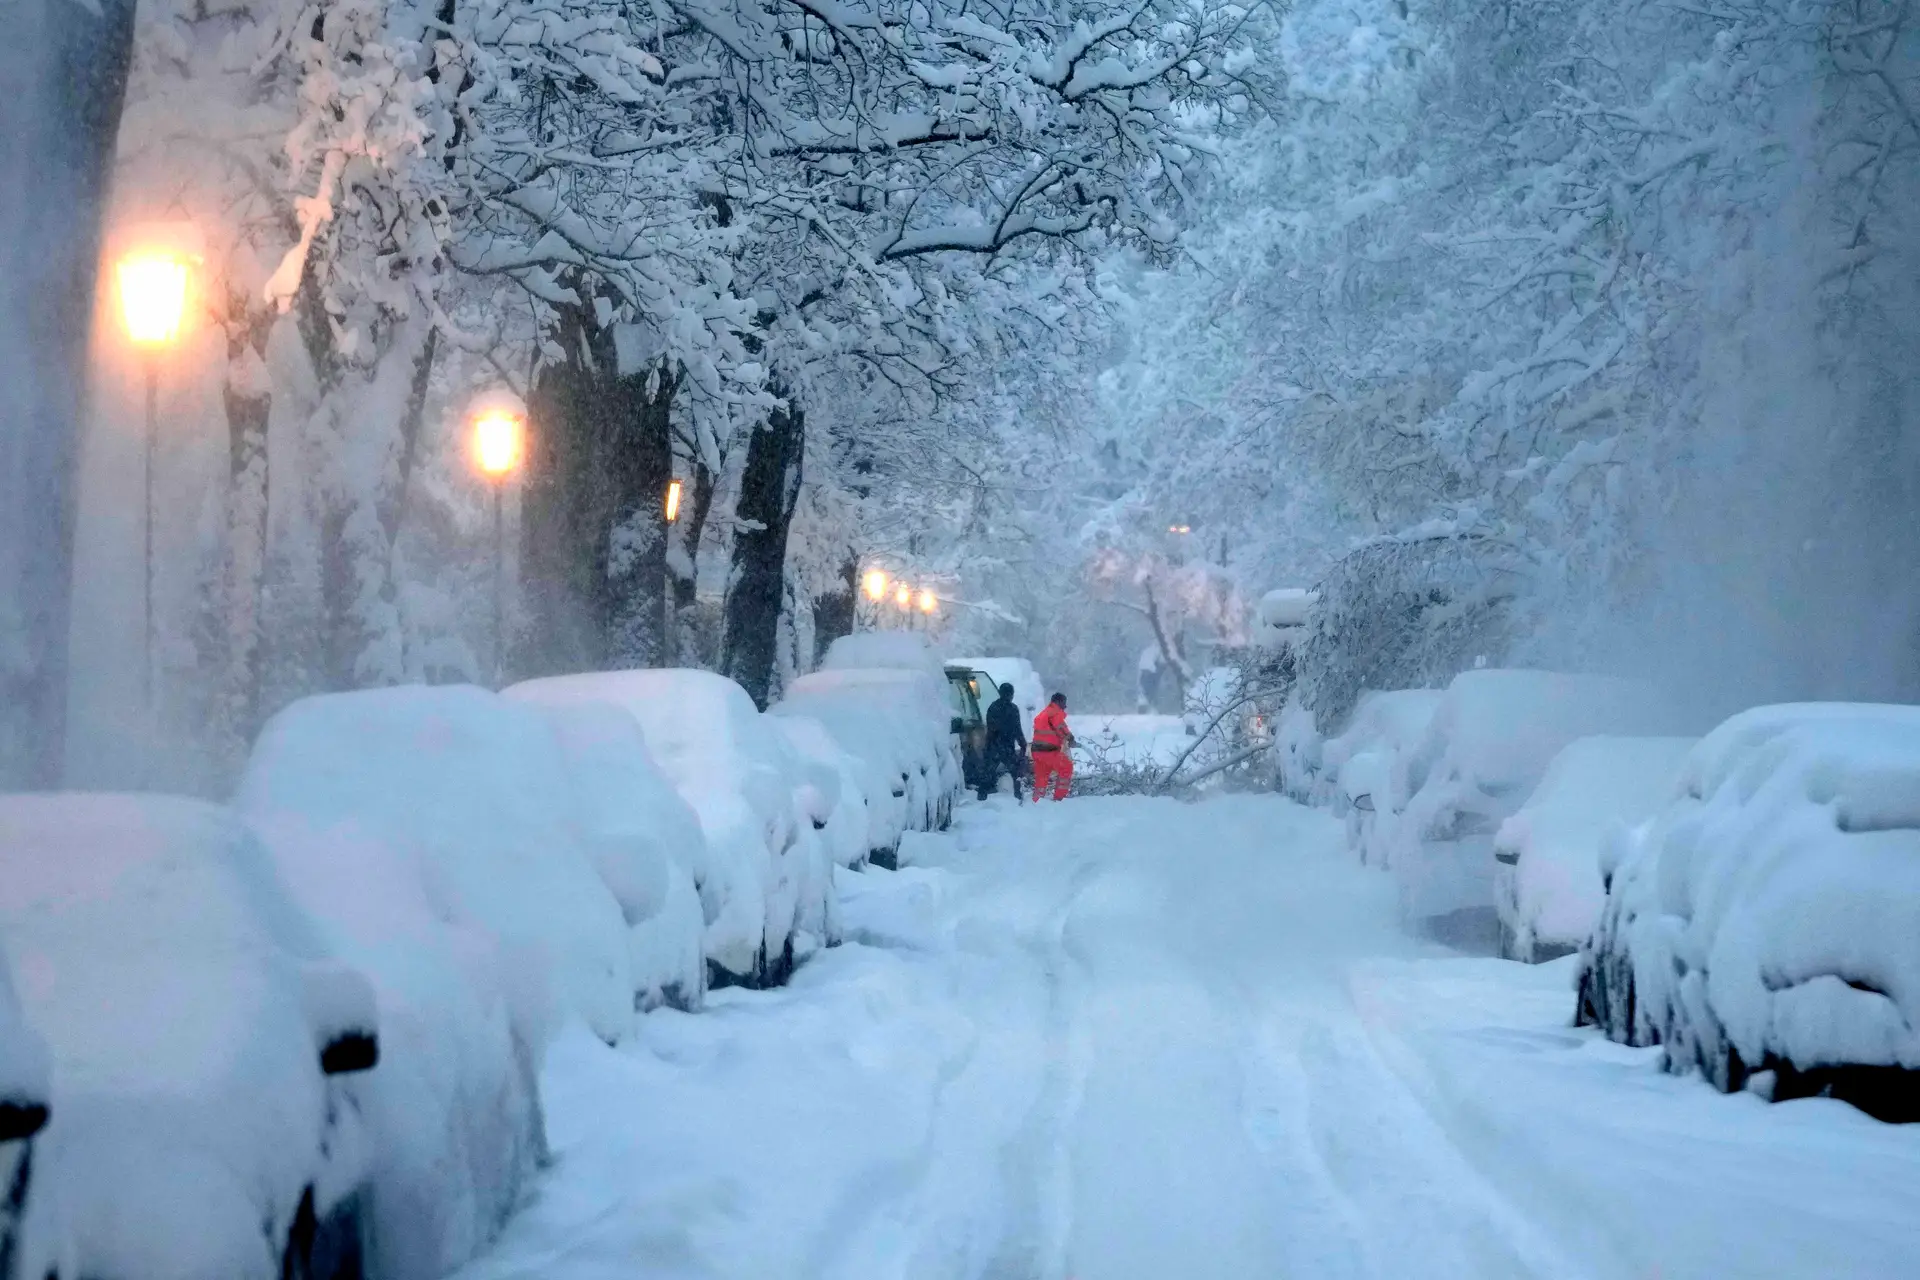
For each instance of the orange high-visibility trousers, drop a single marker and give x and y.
(1055, 767)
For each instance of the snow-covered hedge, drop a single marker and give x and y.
(1764, 926)
(766, 875)
(1547, 875)
(1480, 756)
(207, 1046)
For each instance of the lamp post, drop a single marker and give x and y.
(499, 442)
(153, 301)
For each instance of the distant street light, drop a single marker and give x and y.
(904, 596)
(499, 445)
(1179, 528)
(153, 304)
(876, 584)
(673, 501)
(928, 601)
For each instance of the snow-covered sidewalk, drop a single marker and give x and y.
(1130, 1038)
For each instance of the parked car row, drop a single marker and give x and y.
(299, 1034)
(1749, 899)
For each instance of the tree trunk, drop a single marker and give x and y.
(833, 611)
(361, 524)
(248, 396)
(65, 72)
(769, 492)
(686, 586)
(593, 527)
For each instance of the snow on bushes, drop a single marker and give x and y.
(1547, 875)
(645, 842)
(1490, 739)
(738, 776)
(1764, 926)
(208, 1118)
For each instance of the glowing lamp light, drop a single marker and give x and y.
(876, 584)
(904, 596)
(673, 501)
(496, 443)
(153, 296)
(928, 601)
(1179, 528)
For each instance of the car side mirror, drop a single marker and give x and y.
(21, 1120)
(957, 725)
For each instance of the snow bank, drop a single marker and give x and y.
(1029, 691)
(645, 842)
(739, 777)
(29, 1234)
(1547, 875)
(1767, 919)
(187, 1005)
(1486, 746)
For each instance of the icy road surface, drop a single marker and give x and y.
(1135, 1040)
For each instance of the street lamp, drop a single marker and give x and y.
(876, 585)
(928, 601)
(499, 443)
(673, 501)
(153, 303)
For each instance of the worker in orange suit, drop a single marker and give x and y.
(1049, 743)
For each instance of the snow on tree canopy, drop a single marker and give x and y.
(1768, 917)
(737, 775)
(158, 954)
(1548, 886)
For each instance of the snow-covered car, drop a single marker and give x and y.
(1281, 616)
(967, 697)
(208, 1047)
(644, 840)
(739, 776)
(906, 651)
(1482, 753)
(1366, 761)
(1547, 855)
(27, 1238)
(895, 724)
(430, 832)
(832, 795)
(1764, 925)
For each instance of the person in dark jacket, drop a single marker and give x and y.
(1006, 743)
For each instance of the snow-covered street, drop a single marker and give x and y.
(1125, 1038)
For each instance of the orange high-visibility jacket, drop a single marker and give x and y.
(1050, 728)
